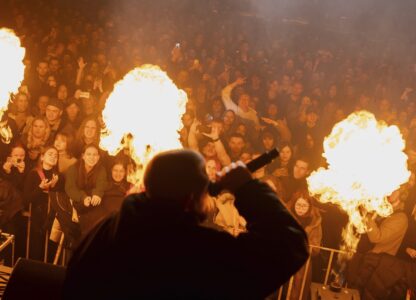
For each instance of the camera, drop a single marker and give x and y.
(19, 160)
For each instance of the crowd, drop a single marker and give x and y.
(250, 89)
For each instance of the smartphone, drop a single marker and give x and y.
(84, 95)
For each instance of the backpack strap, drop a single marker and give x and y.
(41, 173)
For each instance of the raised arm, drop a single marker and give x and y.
(274, 239)
(226, 95)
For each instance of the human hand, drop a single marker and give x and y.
(95, 200)
(268, 121)
(44, 184)
(77, 94)
(7, 166)
(234, 176)
(81, 63)
(194, 126)
(20, 165)
(87, 201)
(54, 180)
(98, 85)
(240, 81)
(214, 134)
(411, 252)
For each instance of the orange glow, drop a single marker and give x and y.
(366, 163)
(143, 116)
(11, 74)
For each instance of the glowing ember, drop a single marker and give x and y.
(366, 163)
(143, 116)
(11, 73)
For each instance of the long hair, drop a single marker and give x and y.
(30, 141)
(69, 137)
(80, 132)
(307, 218)
(86, 181)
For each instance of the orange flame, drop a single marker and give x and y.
(11, 74)
(366, 163)
(143, 116)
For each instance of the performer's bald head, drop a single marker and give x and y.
(177, 176)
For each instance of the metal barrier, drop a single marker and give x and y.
(307, 266)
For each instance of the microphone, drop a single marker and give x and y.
(214, 188)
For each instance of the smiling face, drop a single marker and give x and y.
(118, 173)
(50, 158)
(91, 157)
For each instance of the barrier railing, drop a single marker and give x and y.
(305, 273)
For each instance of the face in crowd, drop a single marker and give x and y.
(22, 103)
(90, 129)
(285, 154)
(50, 158)
(39, 128)
(211, 169)
(301, 169)
(53, 113)
(302, 207)
(91, 156)
(118, 172)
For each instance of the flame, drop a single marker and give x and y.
(11, 74)
(143, 116)
(366, 163)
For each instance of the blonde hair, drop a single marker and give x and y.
(30, 141)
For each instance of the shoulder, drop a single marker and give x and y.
(397, 219)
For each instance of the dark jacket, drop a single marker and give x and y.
(154, 251)
(380, 276)
(10, 202)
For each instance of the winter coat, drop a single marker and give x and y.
(156, 250)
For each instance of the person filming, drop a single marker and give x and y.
(157, 248)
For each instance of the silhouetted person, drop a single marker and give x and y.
(155, 248)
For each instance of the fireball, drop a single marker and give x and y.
(143, 117)
(366, 163)
(11, 73)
